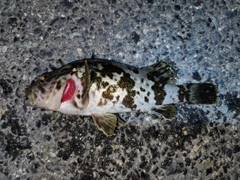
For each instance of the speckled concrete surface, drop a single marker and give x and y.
(200, 38)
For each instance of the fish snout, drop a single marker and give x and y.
(31, 97)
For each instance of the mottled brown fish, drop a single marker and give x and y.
(101, 88)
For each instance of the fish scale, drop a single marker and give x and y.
(102, 88)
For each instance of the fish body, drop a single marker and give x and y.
(102, 88)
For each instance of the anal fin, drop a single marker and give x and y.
(107, 122)
(168, 112)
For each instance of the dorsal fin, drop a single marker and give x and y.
(161, 72)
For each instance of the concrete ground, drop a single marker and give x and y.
(200, 38)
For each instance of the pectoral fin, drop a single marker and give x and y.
(107, 122)
(168, 111)
(88, 84)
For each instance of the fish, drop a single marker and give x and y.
(104, 88)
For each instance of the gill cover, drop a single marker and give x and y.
(76, 92)
(68, 90)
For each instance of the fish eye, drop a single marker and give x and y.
(41, 79)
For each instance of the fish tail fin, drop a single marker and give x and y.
(198, 93)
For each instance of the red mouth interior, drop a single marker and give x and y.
(68, 91)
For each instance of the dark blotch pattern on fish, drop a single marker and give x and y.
(160, 75)
(59, 85)
(143, 90)
(159, 93)
(108, 93)
(126, 82)
(41, 88)
(128, 100)
(181, 93)
(102, 102)
(98, 80)
(157, 88)
(108, 70)
(117, 99)
(146, 99)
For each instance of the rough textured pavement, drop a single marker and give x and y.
(200, 38)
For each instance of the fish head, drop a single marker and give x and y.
(60, 90)
(46, 92)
